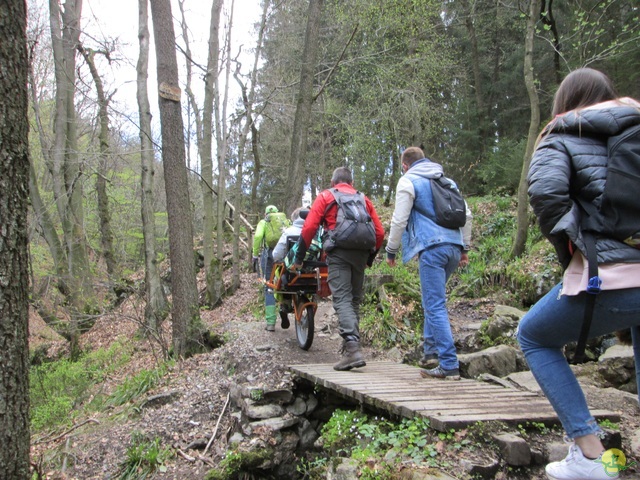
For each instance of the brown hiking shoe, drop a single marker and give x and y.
(351, 357)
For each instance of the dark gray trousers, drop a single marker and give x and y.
(346, 277)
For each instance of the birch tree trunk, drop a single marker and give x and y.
(185, 315)
(534, 127)
(156, 308)
(296, 179)
(14, 284)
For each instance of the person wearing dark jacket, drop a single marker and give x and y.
(569, 169)
(346, 266)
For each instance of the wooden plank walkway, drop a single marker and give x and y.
(398, 389)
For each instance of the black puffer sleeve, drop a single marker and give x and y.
(549, 189)
(548, 178)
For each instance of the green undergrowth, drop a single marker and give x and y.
(136, 386)
(492, 271)
(143, 458)
(63, 390)
(381, 446)
(391, 314)
(383, 449)
(240, 465)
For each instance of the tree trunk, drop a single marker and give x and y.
(248, 99)
(14, 285)
(296, 180)
(48, 231)
(222, 139)
(547, 17)
(42, 215)
(257, 167)
(534, 127)
(104, 215)
(210, 83)
(186, 321)
(478, 87)
(67, 175)
(396, 171)
(156, 308)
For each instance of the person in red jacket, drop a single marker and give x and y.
(346, 265)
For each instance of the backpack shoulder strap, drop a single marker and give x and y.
(337, 194)
(593, 288)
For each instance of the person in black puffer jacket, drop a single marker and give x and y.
(569, 166)
(569, 169)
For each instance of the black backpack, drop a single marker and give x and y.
(618, 216)
(619, 213)
(448, 203)
(354, 228)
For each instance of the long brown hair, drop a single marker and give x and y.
(582, 88)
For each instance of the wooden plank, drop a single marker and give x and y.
(527, 411)
(400, 390)
(446, 422)
(419, 393)
(478, 407)
(490, 400)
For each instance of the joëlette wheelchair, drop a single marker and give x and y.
(297, 291)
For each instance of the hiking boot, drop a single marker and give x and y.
(270, 328)
(439, 372)
(429, 360)
(578, 467)
(284, 315)
(286, 307)
(351, 357)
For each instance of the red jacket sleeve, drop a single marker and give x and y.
(315, 217)
(376, 223)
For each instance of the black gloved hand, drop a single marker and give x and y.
(372, 257)
(255, 264)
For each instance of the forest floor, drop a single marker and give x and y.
(199, 413)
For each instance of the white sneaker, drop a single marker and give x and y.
(578, 467)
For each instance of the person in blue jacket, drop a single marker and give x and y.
(439, 250)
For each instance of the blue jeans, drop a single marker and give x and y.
(635, 335)
(555, 321)
(436, 264)
(266, 263)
